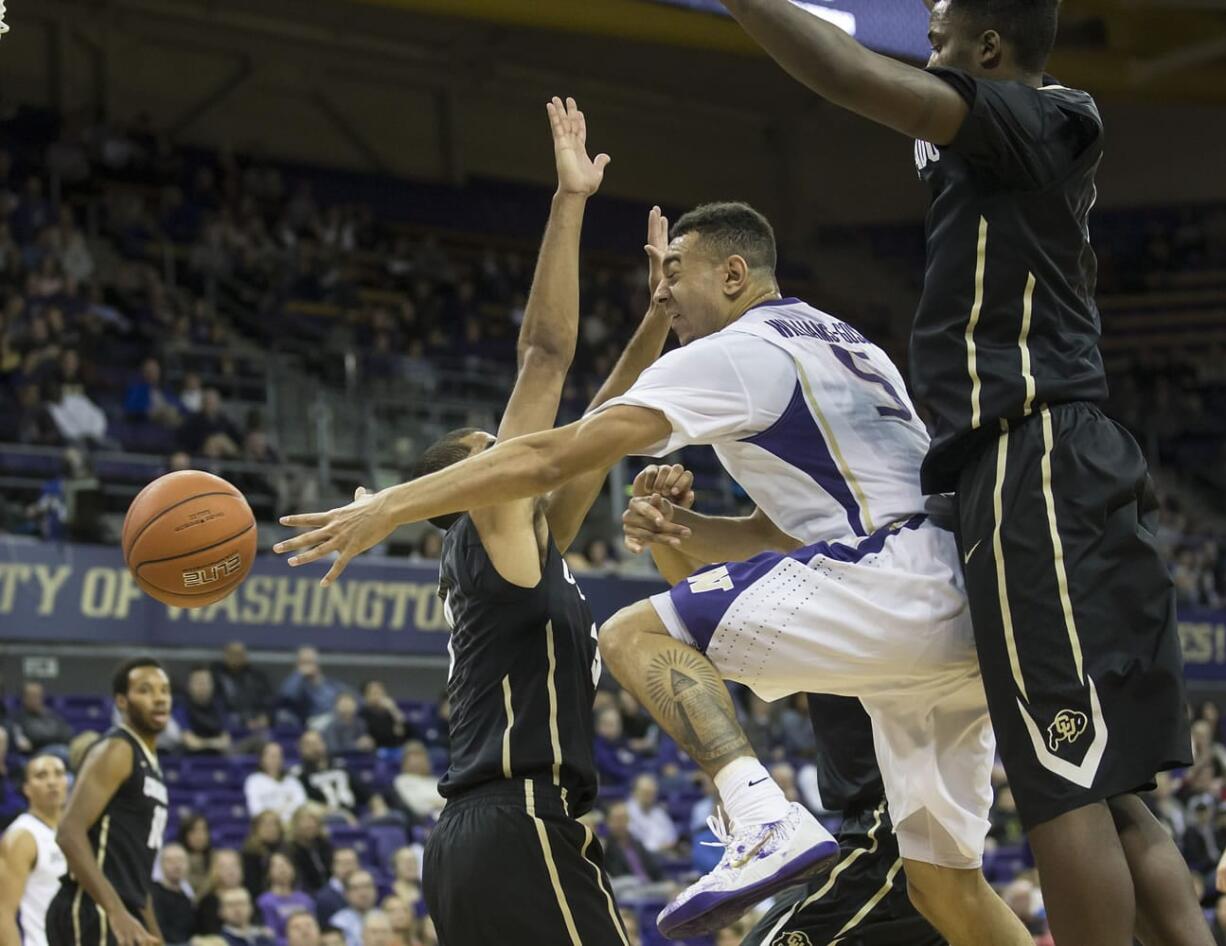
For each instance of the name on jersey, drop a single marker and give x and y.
(836, 331)
(156, 790)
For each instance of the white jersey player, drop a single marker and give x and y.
(31, 863)
(844, 581)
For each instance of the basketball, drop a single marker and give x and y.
(189, 538)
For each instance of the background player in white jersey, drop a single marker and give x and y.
(31, 863)
(858, 593)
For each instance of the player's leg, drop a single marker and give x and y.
(1075, 629)
(935, 750)
(771, 843)
(1166, 914)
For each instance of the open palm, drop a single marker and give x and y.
(577, 173)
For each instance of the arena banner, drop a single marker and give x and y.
(897, 27)
(1203, 634)
(63, 592)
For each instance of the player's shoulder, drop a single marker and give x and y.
(1069, 99)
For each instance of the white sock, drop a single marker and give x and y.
(749, 794)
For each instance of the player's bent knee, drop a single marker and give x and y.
(621, 635)
(941, 894)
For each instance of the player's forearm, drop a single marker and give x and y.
(715, 539)
(673, 564)
(9, 934)
(79, 855)
(521, 468)
(640, 353)
(149, 915)
(551, 316)
(812, 50)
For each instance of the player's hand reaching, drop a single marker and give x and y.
(655, 247)
(129, 931)
(347, 531)
(657, 492)
(577, 173)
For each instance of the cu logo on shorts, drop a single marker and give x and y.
(793, 939)
(925, 153)
(1066, 727)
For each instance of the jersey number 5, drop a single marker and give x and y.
(900, 408)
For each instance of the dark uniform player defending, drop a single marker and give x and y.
(863, 901)
(112, 828)
(1073, 610)
(523, 645)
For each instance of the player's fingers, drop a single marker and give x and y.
(660, 484)
(1221, 879)
(602, 161)
(687, 500)
(642, 482)
(315, 554)
(341, 563)
(555, 120)
(303, 541)
(683, 484)
(307, 520)
(673, 475)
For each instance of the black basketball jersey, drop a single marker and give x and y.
(524, 666)
(127, 837)
(1007, 320)
(847, 774)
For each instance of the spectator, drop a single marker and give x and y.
(310, 848)
(147, 399)
(760, 727)
(624, 854)
(39, 728)
(331, 896)
(209, 432)
(704, 808)
(649, 819)
(35, 426)
(244, 689)
(1024, 899)
(360, 898)
(331, 936)
(630, 921)
(226, 874)
(416, 786)
(302, 929)
(265, 837)
(306, 693)
(236, 926)
(346, 730)
(79, 421)
(172, 897)
(406, 875)
(197, 840)
(377, 929)
(329, 784)
(283, 896)
(796, 727)
(785, 777)
(615, 761)
(384, 720)
(402, 919)
(271, 787)
(1200, 846)
(638, 727)
(202, 717)
(191, 395)
(1006, 823)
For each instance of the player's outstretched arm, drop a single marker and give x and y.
(568, 506)
(526, 466)
(840, 70)
(18, 853)
(547, 338)
(104, 771)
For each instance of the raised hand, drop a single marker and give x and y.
(655, 247)
(347, 530)
(658, 490)
(577, 173)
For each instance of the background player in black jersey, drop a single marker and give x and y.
(863, 901)
(523, 644)
(1073, 610)
(112, 828)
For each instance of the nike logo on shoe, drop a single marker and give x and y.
(759, 781)
(967, 558)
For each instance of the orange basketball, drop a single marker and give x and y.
(189, 538)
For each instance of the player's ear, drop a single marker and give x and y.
(736, 275)
(991, 49)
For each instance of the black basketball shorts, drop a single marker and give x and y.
(1074, 611)
(73, 919)
(506, 864)
(862, 902)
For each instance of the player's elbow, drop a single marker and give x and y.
(545, 357)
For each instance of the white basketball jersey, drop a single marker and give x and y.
(808, 416)
(44, 879)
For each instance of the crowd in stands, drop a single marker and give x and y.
(300, 810)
